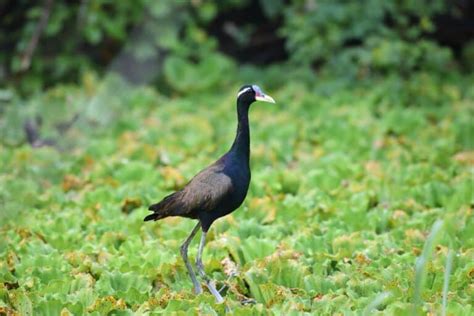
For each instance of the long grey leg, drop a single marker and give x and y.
(200, 267)
(184, 254)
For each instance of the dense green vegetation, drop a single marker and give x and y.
(362, 173)
(347, 186)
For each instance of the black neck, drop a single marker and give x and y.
(241, 145)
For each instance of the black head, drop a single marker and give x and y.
(251, 93)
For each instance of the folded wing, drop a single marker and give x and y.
(203, 193)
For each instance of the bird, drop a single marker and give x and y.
(215, 191)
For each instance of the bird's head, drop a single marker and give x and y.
(251, 93)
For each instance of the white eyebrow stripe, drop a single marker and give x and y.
(243, 91)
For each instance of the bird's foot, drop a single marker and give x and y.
(210, 285)
(226, 285)
(248, 301)
(223, 287)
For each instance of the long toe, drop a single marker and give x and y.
(222, 288)
(226, 282)
(248, 301)
(212, 289)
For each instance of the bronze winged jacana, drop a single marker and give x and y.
(215, 191)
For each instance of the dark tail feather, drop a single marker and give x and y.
(154, 216)
(157, 213)
(161, 209)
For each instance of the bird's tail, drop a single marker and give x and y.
(161, 209)
(154, 216)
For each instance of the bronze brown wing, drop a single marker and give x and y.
(207, 190)
(203, 193)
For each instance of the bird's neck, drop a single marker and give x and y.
(241, 145)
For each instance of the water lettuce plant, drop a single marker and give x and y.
(361, 201)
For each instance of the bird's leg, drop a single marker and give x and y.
(184, 254)
(200, 267)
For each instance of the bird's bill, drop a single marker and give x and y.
(264, 98)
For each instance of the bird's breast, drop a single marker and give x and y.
(240, 178)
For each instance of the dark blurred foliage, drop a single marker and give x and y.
(195, 42)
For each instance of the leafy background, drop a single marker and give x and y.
(362, 191)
